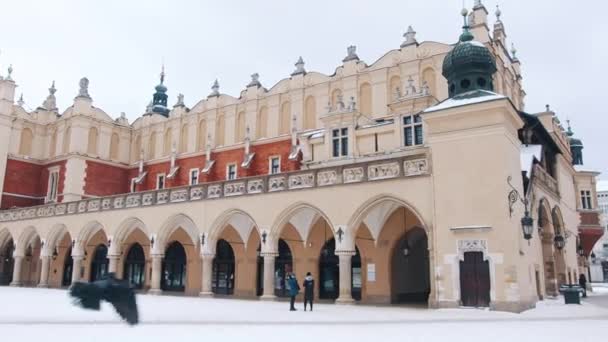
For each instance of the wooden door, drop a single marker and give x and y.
(474, 280)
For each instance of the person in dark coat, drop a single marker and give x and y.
(309, 290)
(294, 289)
(582, 281)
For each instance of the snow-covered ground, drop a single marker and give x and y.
(48, 315)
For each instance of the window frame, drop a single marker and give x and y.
(228, 166)
(339, 138)
(586, 200)
(164, 178)
(414, 127)
(190, 182)
(270, 166)
(52, 190)
(133, 187)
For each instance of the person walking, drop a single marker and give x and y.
(294, 289)
(582, 281)
(309, 290)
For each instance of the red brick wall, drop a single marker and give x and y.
(28, 179)
(105, 180)
(259, 166)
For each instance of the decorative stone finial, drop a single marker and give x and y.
(477, 4)
(50, 103)
(498, 13)
(215, 89)
(513, 52)
(84, 88)
(410, 37)
(547, 108)
(20, 103)
(123, 115)
(52, 89)
(162, 74)
(10, 72)
(299, 67)
(466, 35)
(180, 101)
(255, 81)
(351, 54)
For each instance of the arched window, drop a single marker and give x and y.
(167, 142)
(134, 271)
(183, 142)
(220, 129)
(202, 135)
(329, 272)
(428, 76)
(365, 99)
(25, 146)
(262, 123)
(174, 268)
(114, 145)
(310, 113)
(240, 127)
(394, 87)
(66, 140)
(223, 278)
(68, 265)
(285, 118)
(7, 262)
(53, 145)
(92, 145)
(136, 147)
(152, 146)
(99, 263)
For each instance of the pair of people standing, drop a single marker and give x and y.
(294, 289)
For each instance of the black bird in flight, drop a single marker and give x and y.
(115, 291)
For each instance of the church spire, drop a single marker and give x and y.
(159, 99)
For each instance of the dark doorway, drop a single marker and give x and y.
(8, 263)
(329, 273)
(99, 263)
(283, 264)
(68, 266)
(174, 268)
(410, 278)
(135, 266)
(223, 269)
(475, 280)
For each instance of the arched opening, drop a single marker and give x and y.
(134, 268)
(547, 246)
(410, 278)
(220, 129)
(92, 141)
(183, 140)
(202, 135)
(329, 272)
(560, 260)
(8, 263)
(174, 268)
(25, 145)
(68, 266)
(283, 265)
(240, 127)
(262, 123)
(135, 154)
(395, 87)
(366, 99)
(310, 113)
(285, 118)
(223, 276)
(114, 146)
(30, 268)
(152, 146)
(428, 77)
(167, 142)
(65, 148)
(336, 98)
(99, 263)
(53, 145)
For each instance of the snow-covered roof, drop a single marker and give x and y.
(527, 155)
(378, 123)
(602, 186)
(317, 133)
(472, 97)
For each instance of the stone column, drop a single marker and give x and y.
(113, 264)
(76, 265)
(206, 278)
(156, 274)
(17, 271)
(44, 271)
(269, 259)
(345, 265)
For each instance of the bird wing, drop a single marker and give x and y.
(86, 295)
(122, 297)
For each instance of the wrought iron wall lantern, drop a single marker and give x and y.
(55, 253)
(202, 239)
(580, 250)
(527, 223)
(559, 241)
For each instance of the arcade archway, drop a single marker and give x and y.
(99, 263)
(223, 275)
(134, 266)
(410, 279)
(174, 268)
(7, 263)
(329, 273)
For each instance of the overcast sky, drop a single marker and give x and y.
(119, 45)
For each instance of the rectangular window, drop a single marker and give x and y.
(586, 199)
(231, 172)
(51, 194)
(413, 134)
(160, 181)
(339, 139)
(133, 185)
(275, 165)
(194, 176)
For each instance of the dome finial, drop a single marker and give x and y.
(162, 73)
(569, 132)
(466, 35)
(498, 13)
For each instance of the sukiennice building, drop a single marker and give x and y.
(418, 178)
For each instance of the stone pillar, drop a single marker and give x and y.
(76, 265)
(207, 272)
(345, 265)
(156, 274)
(17, 271)
(113, 263)
(269, 259)
(44, 271)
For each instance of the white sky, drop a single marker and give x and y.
(119, 46)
